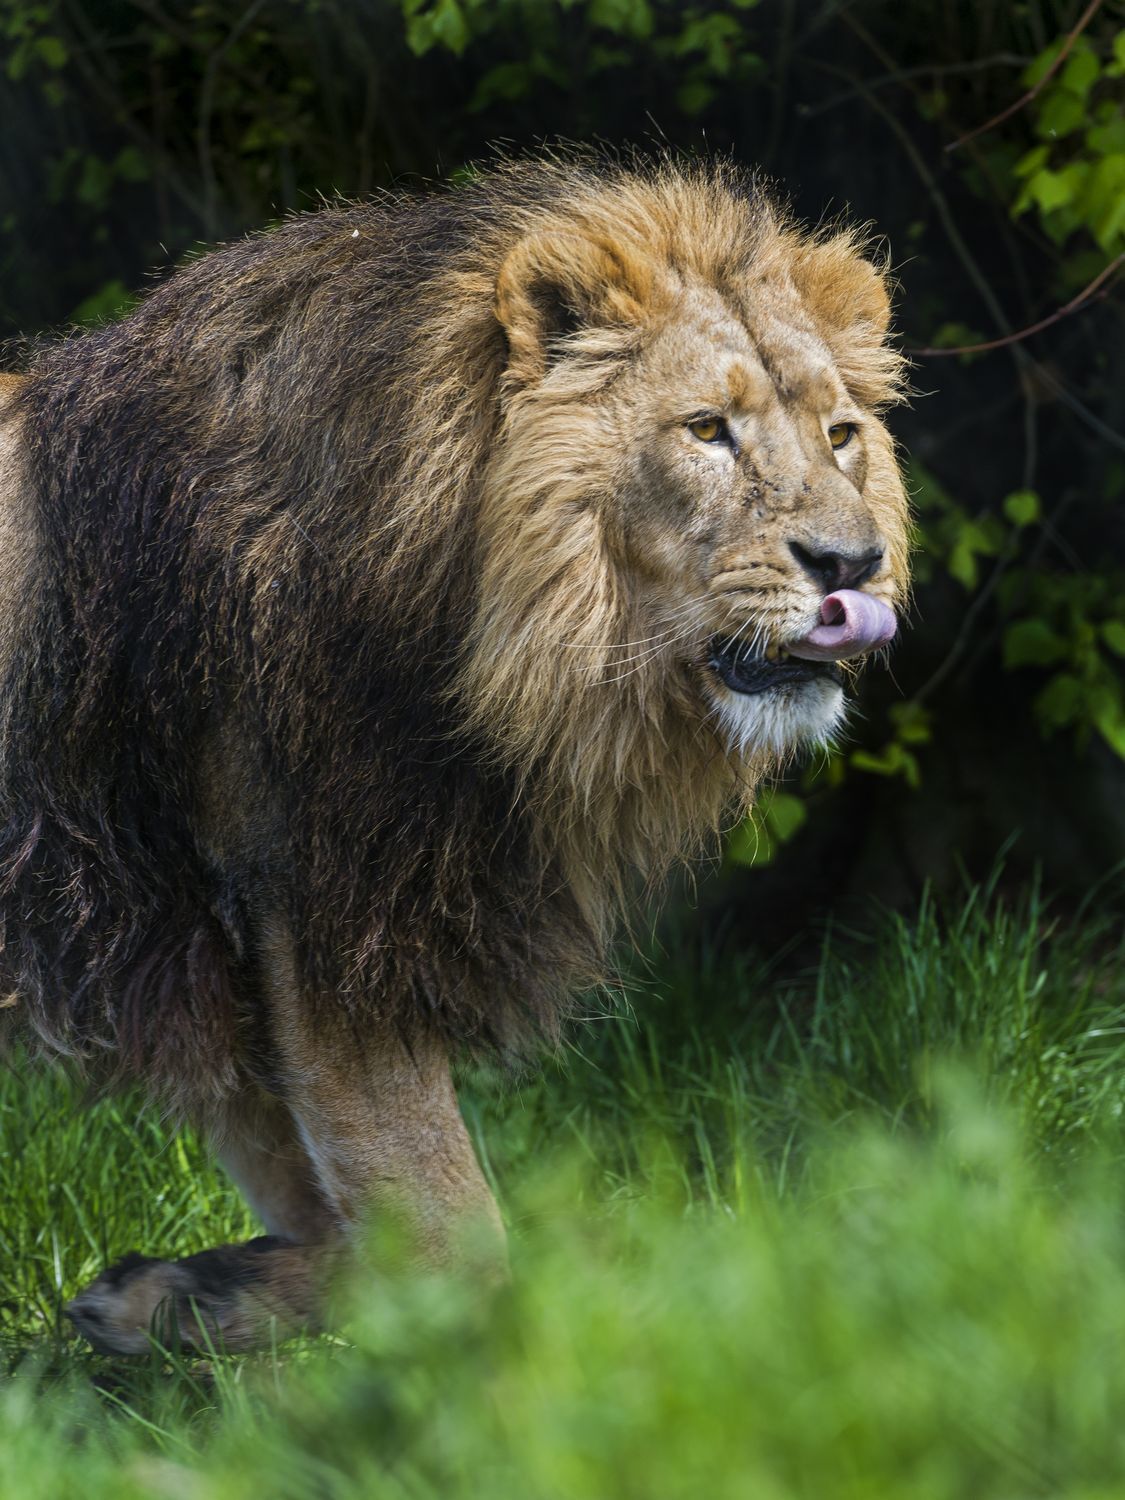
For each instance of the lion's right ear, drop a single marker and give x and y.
(554, 284)
(846, 292)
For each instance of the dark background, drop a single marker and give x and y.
(133, 132)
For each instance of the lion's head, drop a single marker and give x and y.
(693, 512)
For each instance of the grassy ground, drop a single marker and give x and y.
(855, 1234)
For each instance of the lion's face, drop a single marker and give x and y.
(753, 486)
(693, 515)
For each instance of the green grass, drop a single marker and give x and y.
(858, 1232)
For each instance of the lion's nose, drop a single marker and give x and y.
(835, 569)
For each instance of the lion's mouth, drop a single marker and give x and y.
(746, 669)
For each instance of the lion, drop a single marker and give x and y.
(386, 603)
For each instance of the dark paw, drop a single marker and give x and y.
(127, 1306)
(218, 1299)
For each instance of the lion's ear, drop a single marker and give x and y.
(847, 297)
(554, 284)
(845, 293)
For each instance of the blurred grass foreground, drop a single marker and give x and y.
(856, 1232)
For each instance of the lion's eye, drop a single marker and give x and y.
(708, 429)
(840, 434)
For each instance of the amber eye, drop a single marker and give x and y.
(708, 429)
(840, 434)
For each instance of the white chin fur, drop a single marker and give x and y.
(781, 720)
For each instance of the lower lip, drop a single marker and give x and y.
(752, 675)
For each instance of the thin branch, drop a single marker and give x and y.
(904, 75)
(1013, 109)
(1062, 393)
(968, 621)
(1083, 297)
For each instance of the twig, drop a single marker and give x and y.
(1084, 296)
(1080, 410)
(968, 621)
(1064, 51)
(905, 75)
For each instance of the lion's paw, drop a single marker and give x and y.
(128, 1306)
(218, 1299)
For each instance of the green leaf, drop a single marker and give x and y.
(1035, 158)
(1022, 507)
(893, 760)
(95, 182)
(912, 723)
(926, 489)
(783, 814)
(1060, 702)
(973, 538)
(1113, 634)
(1080, 71)
(954, 334)
(1051, 190)
(715, 35)
(1033, 643)
(1105, 199)
(694, 96)
(18, 61)
(52, 51)
(108, 302)
(131, 165)
(441, 24)
(1107, 138)
(505, 82)
(963, 565)
(623, 17)
(1110, 724)
(1037, 69)
(1061, 115)
(749, 844)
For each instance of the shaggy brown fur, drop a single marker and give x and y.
(357, 597)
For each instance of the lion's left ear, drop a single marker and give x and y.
(845, 292)
(553, 284)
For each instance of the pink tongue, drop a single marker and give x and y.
(852, 623)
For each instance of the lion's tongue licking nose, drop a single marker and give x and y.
(851, 623)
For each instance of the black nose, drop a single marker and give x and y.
(836, 570)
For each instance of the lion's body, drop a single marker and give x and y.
(343, 618)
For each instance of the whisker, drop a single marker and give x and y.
(671, 626)
(641, 661)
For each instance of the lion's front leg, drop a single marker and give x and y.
(380, 1120)
(378, 1115)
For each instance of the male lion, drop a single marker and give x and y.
(381, 600)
